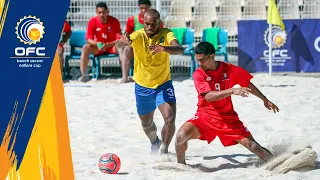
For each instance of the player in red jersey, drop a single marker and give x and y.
(215, 116)
(101, 35)
(65, 35)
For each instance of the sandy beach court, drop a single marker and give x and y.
(102, 118)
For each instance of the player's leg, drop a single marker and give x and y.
(145, 102)
(125, 55)
(150, 129)
(166, 103)
(186, 132)
(168, 111)
(61, 58)
(253, 146)
(84, 60)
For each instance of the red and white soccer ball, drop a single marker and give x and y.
(109, 163)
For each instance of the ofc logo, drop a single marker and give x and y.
(29, 30)
(278, 37)
(317, 44)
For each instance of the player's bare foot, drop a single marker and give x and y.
(164, 149)
(84, 79)
(124, 80)
(267, 155)
(182, 162)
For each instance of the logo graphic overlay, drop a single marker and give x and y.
(29, 30)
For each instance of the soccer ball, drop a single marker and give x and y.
(109, 163)
(34, 34)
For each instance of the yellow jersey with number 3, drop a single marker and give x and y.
(151, 71)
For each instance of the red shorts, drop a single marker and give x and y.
(227, 129)
(111, 50)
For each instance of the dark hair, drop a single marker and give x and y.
(102, 5)
(154, 13)
(205, 48)
(144, 2)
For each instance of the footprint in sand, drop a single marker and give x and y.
(174, 167)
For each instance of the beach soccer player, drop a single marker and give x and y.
(152, 46)
(215, 116)
(65, 35)
(102, 32)
(134, 23)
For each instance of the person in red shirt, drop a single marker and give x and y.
(134, 23)
(66, 33)
(215, 116)
(102, 33)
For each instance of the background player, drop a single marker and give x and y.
(66, 33)
(153, 85)
(215, 115)
(101, 35)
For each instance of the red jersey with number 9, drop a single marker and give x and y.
(225, 77)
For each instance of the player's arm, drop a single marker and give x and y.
(268, 104)
(242, 77)
(174, 48)
(92, 42)
(126, 40)
(91, 33)
(218, 95)
(68, 30)
(117, 29)
(66, 37)
(109, 44)
(204, 89)
(255, 91)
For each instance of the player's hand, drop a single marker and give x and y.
(242, 91)
(156, 48)
(124, 40)
(101, 46)
(269, 105)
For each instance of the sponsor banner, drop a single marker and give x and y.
(295, 49)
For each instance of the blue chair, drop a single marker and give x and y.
(188, 39)
(77, 40)
(222, 42)
(96, 65)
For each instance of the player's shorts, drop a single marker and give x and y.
(111, 50)
(148, 99)
(228, 129)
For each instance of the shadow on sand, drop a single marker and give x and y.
(231, 158)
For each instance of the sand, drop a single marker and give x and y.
(102, 118)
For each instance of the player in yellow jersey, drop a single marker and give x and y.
(152, 46)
